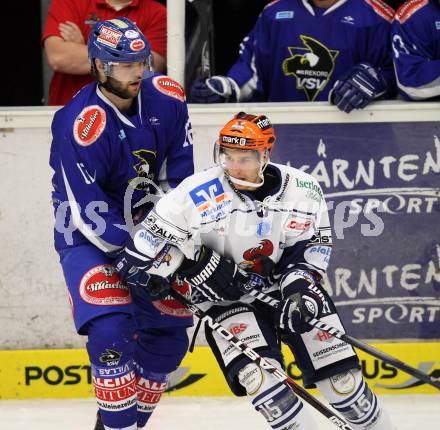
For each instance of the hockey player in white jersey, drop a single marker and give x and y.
(247, 220)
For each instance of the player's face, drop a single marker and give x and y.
(123, 79)
(242, 164)
(124, 90)
(128, 72)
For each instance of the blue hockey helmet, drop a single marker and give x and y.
(117, 41)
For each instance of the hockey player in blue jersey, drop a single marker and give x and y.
(300, 50)
(115, 140)
(416, 49)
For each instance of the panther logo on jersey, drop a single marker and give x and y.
(311, 66)
(146, 168)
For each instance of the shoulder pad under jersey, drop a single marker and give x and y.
(382, 9)
(408, 9)
(272, 3)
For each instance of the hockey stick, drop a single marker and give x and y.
(204, 10)
(354, 342)
(261, 361)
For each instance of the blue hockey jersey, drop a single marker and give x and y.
(298, 51)
(416, 49)
(103, 160)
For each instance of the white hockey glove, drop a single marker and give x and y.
(218, 89)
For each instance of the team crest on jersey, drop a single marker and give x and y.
(102, 286)
(312, 66)
(169, 87)
(257, 259)
(210, 199)
(89, 125)
(145, 169)
(171, 306)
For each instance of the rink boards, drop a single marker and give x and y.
(65, 373)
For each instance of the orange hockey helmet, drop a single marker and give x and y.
(249, 133)
(246, 131)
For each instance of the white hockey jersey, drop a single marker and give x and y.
(290, 226)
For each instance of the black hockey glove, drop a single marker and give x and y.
(303, 301)
(155, 287)
(213, 277)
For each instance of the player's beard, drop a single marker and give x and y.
(120, 89)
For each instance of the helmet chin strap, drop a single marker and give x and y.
(246, 183)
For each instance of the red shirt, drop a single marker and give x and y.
(148, 15)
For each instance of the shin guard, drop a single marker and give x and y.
(281, 408)
(111, 348)
(150, 388)
(350, 395)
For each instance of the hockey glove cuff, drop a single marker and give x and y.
(303, 300)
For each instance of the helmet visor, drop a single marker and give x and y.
(242, 164)
(129, 71)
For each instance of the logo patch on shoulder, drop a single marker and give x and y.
(408, 9)
(89, 125)
(169, 87)
(382, 9)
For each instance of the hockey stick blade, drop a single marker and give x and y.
(355, 342)
(262, 362)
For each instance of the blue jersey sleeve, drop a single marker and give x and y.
(178, 163)
(416, 50)
(374, 47)
(243, 72)
(263, 54)
(82, 160)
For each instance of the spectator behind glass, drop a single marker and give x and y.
(311, 51)
(67, 28)
(416, 49)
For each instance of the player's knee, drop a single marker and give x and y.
(161, 349)
(111, 339)
(111, 326)
(340, 386)
(251, 378)
(273, 399)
